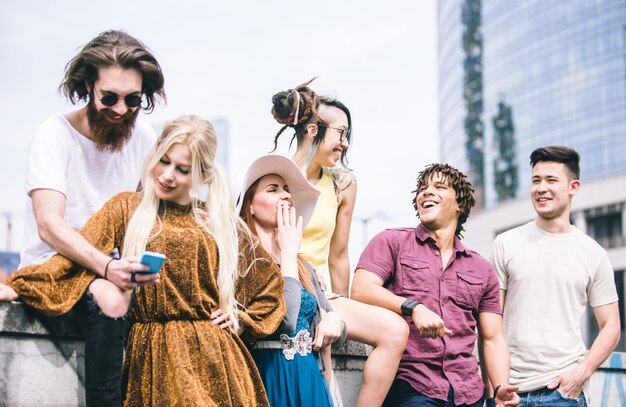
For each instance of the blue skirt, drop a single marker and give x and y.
(291, 383)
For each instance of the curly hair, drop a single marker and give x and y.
(112, 48)
(458, 181)
(298, 107)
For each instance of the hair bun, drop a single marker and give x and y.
(296, 105)
(283, 108)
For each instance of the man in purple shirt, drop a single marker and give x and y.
(446, 291)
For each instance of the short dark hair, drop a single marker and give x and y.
(559, 154)
(458, 181)
(112, 48)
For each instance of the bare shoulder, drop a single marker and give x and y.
(343, 178)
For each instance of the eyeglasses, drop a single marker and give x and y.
(344, 133)
(111, 99)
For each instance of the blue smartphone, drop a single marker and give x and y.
(153, 260)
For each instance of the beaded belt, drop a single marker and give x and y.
(302, 344)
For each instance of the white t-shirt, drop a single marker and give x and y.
(549, 280)
(64, 160)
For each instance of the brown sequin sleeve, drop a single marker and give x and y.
(259, 291)
(55, 286)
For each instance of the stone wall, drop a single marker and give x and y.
(42, 363)
(42, 360)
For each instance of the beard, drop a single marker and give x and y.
(110, 136)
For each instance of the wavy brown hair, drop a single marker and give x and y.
(458, 181)
(113, 48)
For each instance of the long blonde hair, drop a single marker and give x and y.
(211, 203)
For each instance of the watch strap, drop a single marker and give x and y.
(408, 306)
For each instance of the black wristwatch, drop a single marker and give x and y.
(408, 306)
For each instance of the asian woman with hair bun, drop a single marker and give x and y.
(323, 131)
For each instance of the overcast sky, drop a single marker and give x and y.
(225, 60)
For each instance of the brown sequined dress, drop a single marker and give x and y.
(175, 356)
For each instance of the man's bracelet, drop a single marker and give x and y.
(106, 269)
(495, 391)
(408, 306)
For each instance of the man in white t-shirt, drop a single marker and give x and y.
(549, 271)
(76, 162)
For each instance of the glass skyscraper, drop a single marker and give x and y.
(517, 75)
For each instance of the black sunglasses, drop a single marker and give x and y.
(111, 99)
(345, 132)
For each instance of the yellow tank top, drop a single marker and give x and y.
(317, 234)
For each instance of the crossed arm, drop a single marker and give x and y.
(49, 210)
(367, 287)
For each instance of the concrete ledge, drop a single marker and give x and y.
(348, 363)
(17, 318)
(41, 358)
(42, 363)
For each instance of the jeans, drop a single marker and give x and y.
(105, 339)
(402, 394)
(545, 397)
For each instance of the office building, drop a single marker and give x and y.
(515, 76)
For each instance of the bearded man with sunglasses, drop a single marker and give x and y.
(78, 161)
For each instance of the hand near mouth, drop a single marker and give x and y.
(288, 229)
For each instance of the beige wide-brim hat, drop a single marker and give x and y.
(303, 194)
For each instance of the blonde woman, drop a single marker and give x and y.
(178, 352)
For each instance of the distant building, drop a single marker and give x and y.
(8, 264)
(515, 76)
(221, 128)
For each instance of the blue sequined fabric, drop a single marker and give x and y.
(308, 308)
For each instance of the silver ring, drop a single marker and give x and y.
(135, 285)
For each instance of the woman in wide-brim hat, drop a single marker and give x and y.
(273, 191)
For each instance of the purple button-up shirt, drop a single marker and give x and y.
(409, 263)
